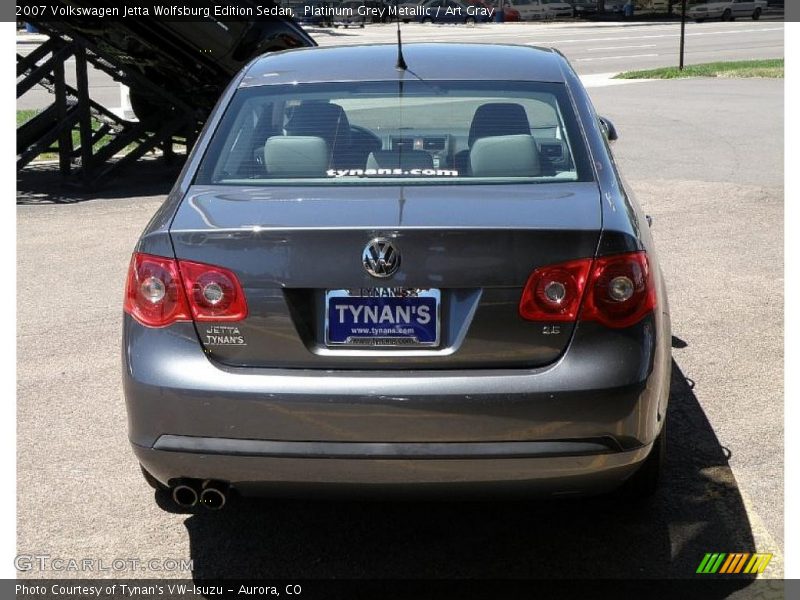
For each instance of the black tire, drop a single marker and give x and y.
(699, 20)
(427, 20)
(644, 482)
(756, 14)
(470, 21)
(152, 481)
(727, 15)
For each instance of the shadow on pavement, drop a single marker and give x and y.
(42, 184)
(697, 510)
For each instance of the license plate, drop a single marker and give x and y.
(382, 317)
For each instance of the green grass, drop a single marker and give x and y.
(26, 115)
(744, 68)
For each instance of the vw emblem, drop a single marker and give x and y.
(381, 258)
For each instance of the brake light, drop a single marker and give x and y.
(153, 294)
(616, 291)
(161, 291)
(554, 292)
(214, 293)
(621, 290)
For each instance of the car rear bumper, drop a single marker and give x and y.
(581, 424)
(542, 471)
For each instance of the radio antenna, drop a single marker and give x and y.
(401, 62)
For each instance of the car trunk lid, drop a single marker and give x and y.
(474, 245)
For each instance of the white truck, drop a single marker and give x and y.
(727, 10)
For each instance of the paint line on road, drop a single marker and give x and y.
(607, 79)
(614, 57)
(622, 47)
(763, 541)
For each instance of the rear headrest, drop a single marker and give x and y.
(296, 156)
(505, 156)
(498, 118)
(396, 159)
(323, 119)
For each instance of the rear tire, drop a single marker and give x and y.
(644, 482)
(727, 15)
(756, 14)
(470, 21)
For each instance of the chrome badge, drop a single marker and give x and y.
(380, 258)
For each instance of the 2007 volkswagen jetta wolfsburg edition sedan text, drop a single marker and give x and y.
(384, 276)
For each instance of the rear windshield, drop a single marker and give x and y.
(390, 133)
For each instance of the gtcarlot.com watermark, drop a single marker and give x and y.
(58, 564)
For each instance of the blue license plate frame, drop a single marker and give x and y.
(383, 317)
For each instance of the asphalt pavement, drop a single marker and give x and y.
(705, 158)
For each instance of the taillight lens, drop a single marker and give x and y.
(161, 291)
(621, 290)
(214, 293)
(617, 291)
(153, 294)
(553, 293)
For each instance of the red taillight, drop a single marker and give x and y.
(617, 291)
(621, 290)
(553, 293)
(161, 291)
(214, 293)
(153, 294)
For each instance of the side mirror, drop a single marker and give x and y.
(608, 129)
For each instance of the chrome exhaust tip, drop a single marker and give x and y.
(213, 498)
(184, 496)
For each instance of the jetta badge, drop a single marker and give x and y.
(381, 259)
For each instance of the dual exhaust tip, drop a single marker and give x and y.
(211, 494)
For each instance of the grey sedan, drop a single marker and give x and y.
(399, 272)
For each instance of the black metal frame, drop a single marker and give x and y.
(73, 108)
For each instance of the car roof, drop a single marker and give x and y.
(431, 61)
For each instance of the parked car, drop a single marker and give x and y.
(510, 14)
(453, 11)
(614, 6)
(444, 283)
(559, 8)
(728, 10)
(192, 60)
(584, 8)
(315, 12)
(408, 11)
(360, 12)
(532, 10)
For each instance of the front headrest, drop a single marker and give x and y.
(296, 156)
(321, 119)
(498, 118)
(397, 159)
(505, 156)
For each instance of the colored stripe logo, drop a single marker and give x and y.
(736, 562)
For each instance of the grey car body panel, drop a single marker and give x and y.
(258, 475)
(601, 383)
(287, 245)
(603, 386)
